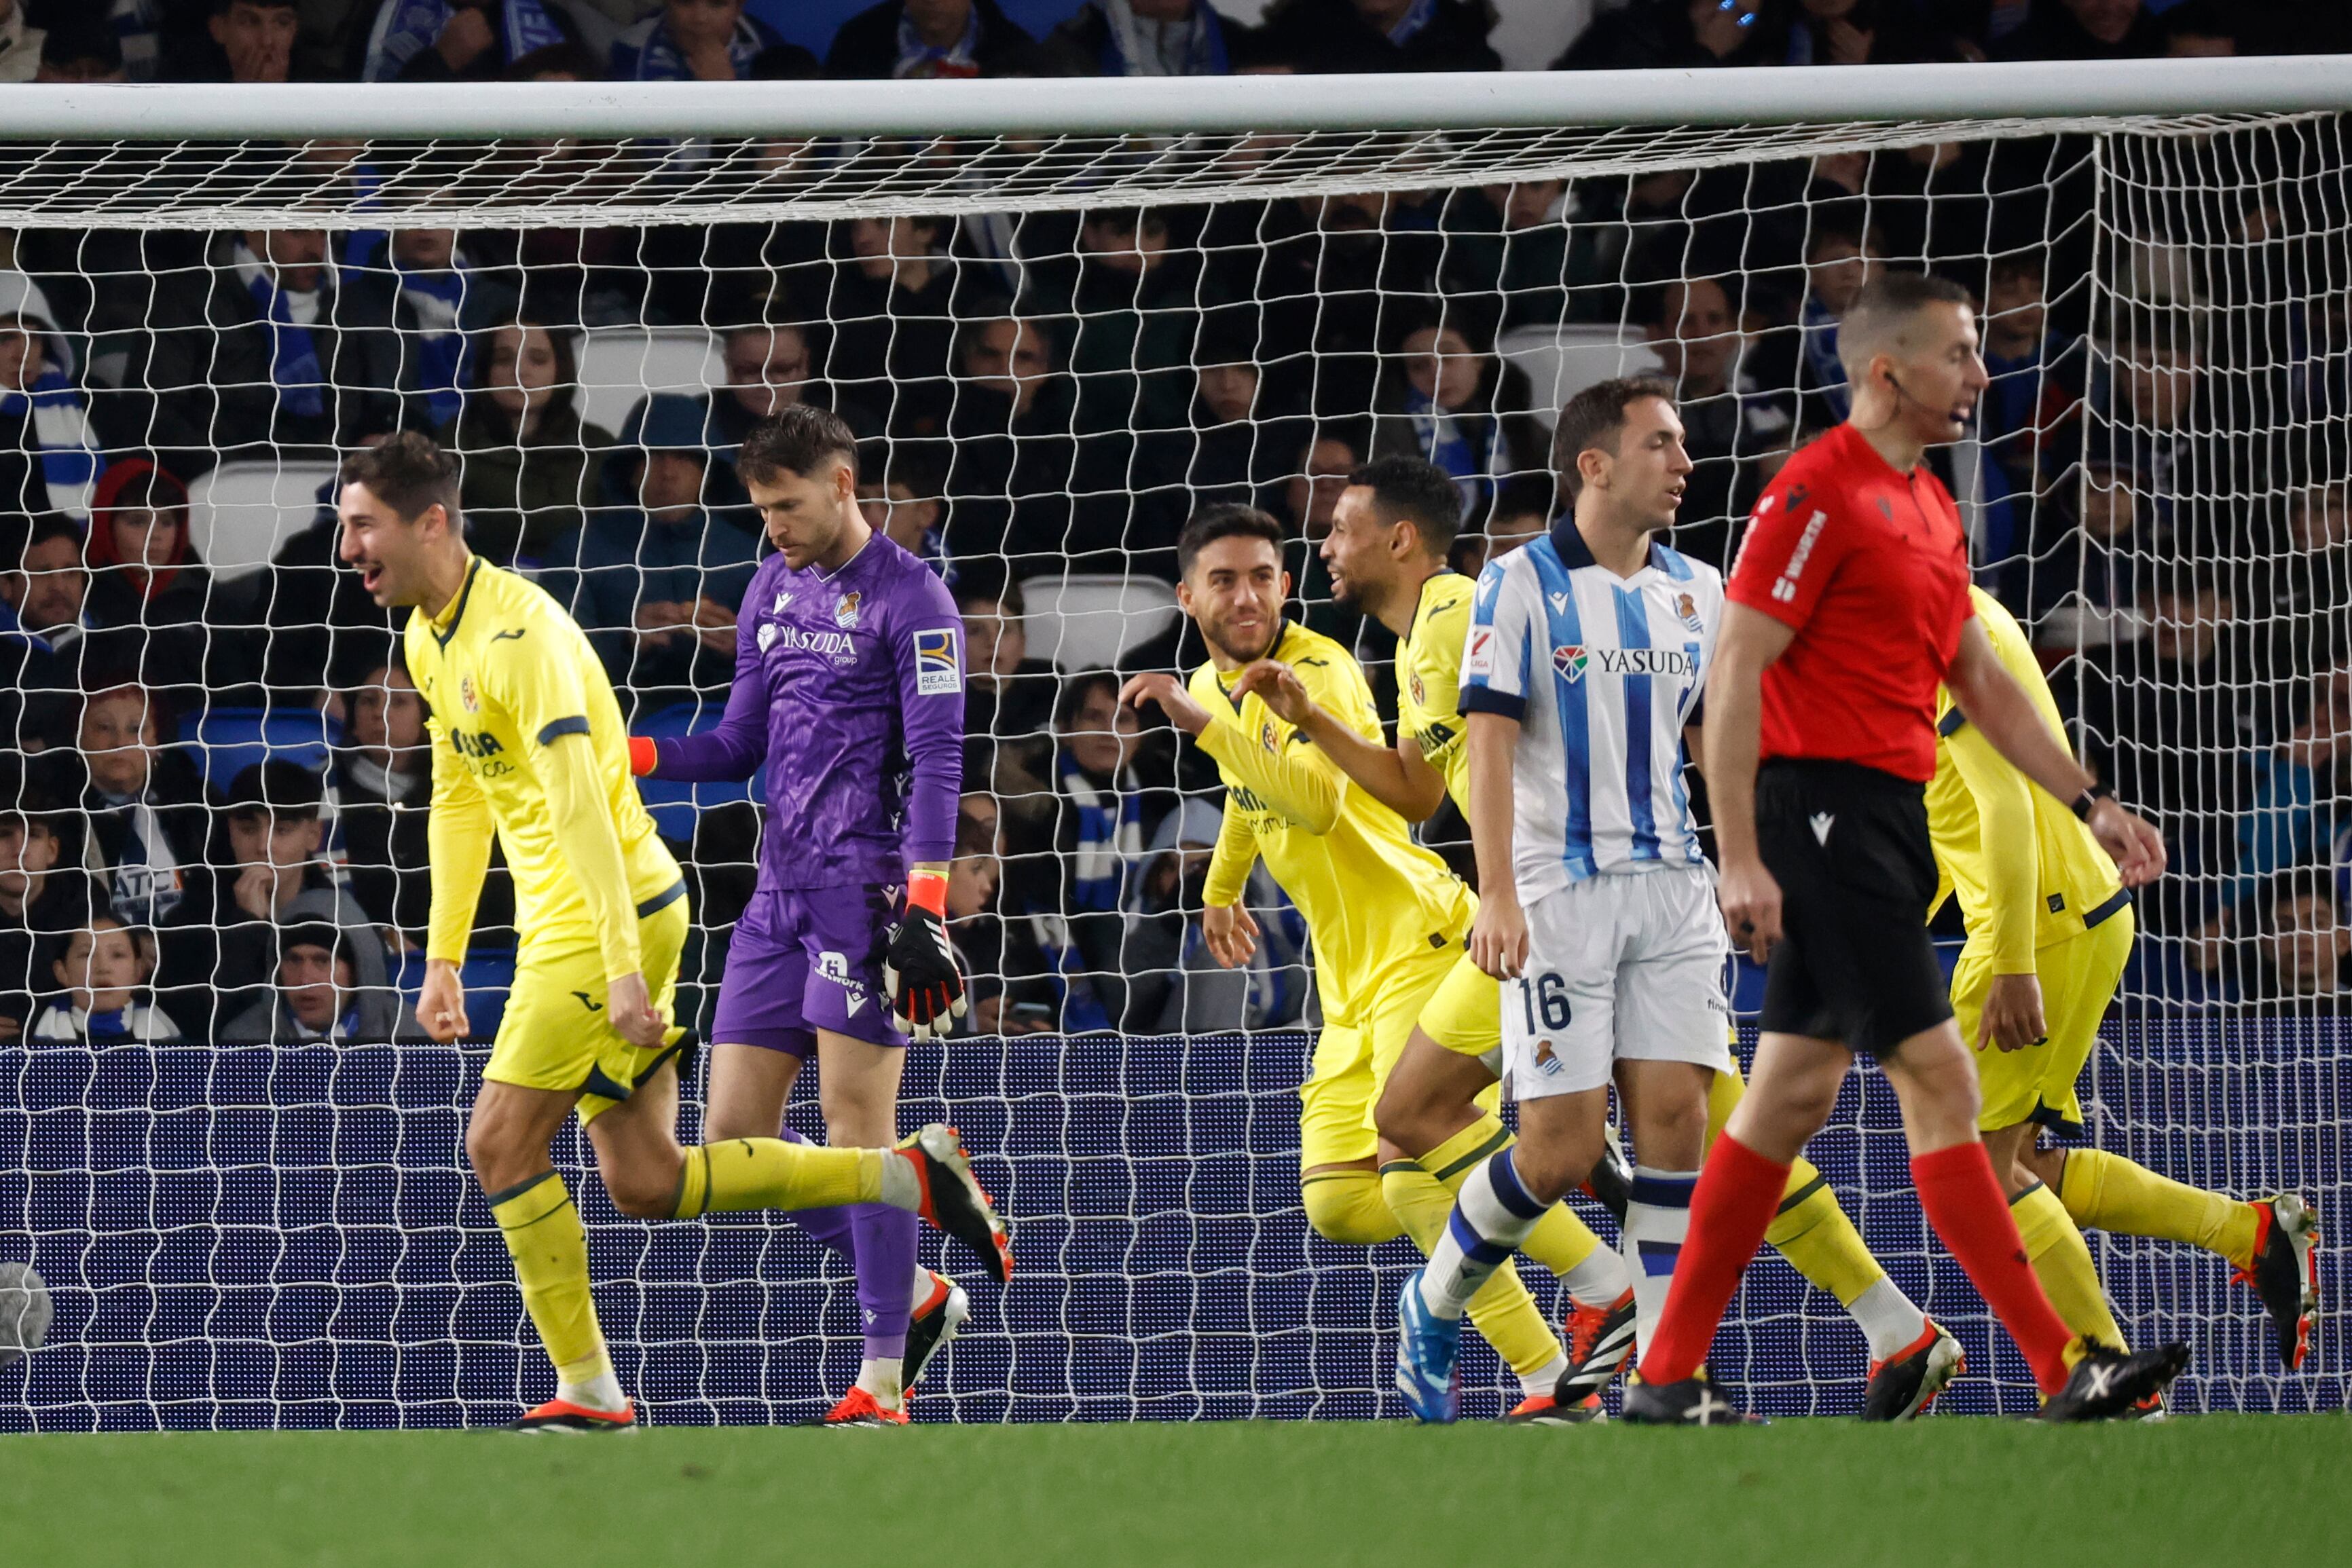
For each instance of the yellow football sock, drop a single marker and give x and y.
(1813, 1232)
(1502, 1309)
(2108, 1192)
(550, 1248)
(1560, 1241)
(769, 1173)
(1346, 1206)
(2061, 1261)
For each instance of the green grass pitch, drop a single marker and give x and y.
(1810, 1494)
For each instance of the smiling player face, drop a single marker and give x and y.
(1234, 591)
(1357, 551)
(387, 550)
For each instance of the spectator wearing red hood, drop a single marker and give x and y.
(149, 593)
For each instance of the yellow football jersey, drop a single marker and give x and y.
(509, 678)
(2027, 871)
(1372, 897)
(1429, 680)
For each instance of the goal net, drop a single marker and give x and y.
(1061, 318)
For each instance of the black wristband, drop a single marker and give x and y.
(2088, 800)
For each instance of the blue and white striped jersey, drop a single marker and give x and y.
(1602, 673)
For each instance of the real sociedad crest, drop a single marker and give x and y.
(844, 614)
(1687, 612)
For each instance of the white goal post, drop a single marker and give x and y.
(259, 1233)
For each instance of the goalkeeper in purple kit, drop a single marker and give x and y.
(849, 686)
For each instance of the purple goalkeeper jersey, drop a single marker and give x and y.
(852, 688)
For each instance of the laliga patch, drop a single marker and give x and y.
(939, 673)
(1478, 659)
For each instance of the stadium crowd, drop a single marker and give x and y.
(215, 814)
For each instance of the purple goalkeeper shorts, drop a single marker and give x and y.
(806, 960)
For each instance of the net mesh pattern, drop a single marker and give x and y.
(1053, 350)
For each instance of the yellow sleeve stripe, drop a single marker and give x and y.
(555, 729)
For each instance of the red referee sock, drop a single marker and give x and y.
(1970, 1213)
(1738, 1194)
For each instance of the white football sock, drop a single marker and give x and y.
(1889, 1320)
(1491, 1216)
(1600, 1280)
(879, 1375)
(1657, 1223)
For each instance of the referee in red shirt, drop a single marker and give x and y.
(1849, 603)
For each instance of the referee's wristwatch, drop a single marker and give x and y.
(2088, 800)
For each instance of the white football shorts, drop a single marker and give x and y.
(1620, 967)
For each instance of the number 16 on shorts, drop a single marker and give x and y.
(1618, 966)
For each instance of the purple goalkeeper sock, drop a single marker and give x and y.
(833, 1228)
(885, 1240)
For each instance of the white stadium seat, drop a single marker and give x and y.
(619, 365)
(1560, 362)
(239, 513)
(1087, 621)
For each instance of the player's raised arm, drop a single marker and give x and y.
(1295, 778)
(1397, 777)
(732, 751)
(1995, 703)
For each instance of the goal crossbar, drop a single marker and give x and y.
(561, 154)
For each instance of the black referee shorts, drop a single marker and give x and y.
(1849, 846)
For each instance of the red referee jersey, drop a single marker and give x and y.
(1871, 568)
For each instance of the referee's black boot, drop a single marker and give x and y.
(2106, 1383)
(1693, 1402)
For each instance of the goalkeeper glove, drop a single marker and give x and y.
(926, 990)
(644, 755)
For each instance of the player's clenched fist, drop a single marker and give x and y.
(441, 1002)
(1750, 901)
(926, 987)
(1231, 934)
(632, 1014)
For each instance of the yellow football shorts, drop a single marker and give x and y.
(2078, 980)
(556, 1033)
(1354, 1054)
(1465, 1014)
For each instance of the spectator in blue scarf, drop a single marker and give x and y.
(249, 352)
(1139, 38)
(418, 295)
(692, 40)
(461, 40)
(39, 397)
(1449, 400)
